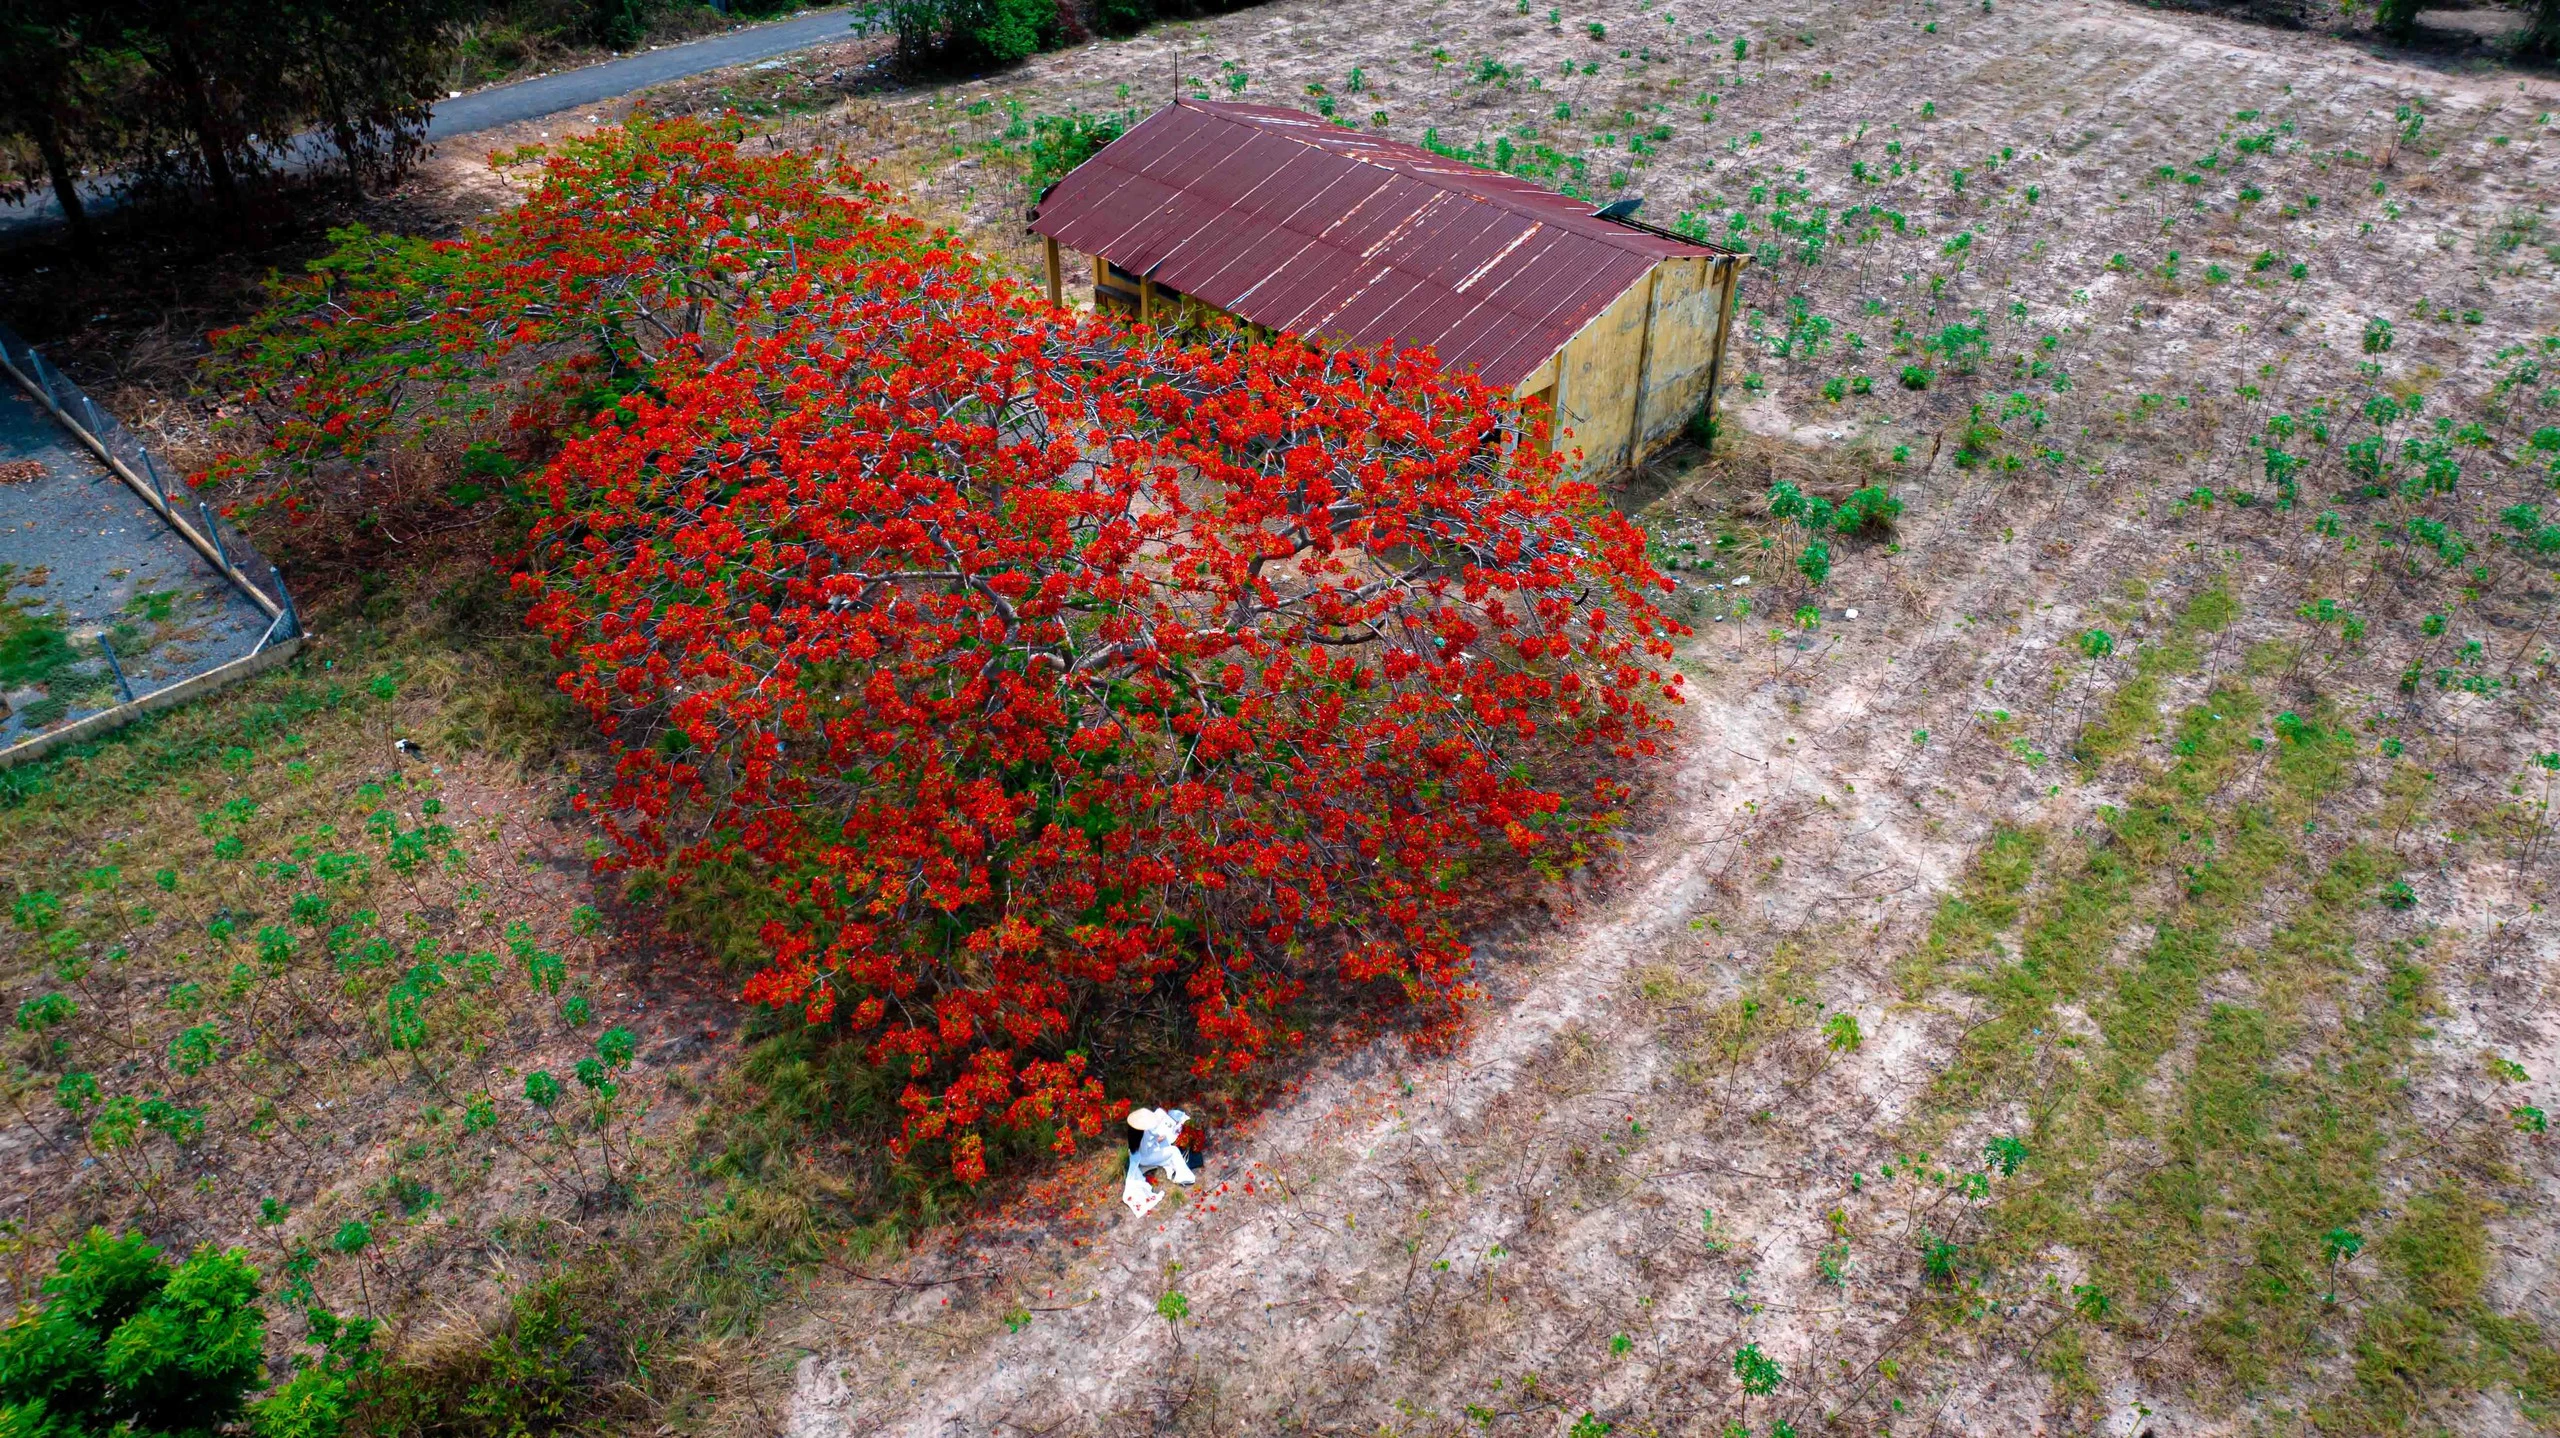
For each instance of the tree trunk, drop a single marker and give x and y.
(200, 118)
(66, 186)
(2542, 38)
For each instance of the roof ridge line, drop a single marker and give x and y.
(1366, 158)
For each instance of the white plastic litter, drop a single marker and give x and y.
(1848, 614)
(1742, 579)
(1157, 1129)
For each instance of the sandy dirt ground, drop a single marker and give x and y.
(1598, 1199)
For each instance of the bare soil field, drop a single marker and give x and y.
(2084, 968)
(2157, 1106)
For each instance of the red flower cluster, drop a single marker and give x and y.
(1036, 662)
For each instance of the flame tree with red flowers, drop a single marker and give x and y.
(1029, 663)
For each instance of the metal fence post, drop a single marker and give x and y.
(121, 682)
(292, 615)
(213, 530)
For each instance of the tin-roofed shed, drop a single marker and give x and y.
(1285, 220)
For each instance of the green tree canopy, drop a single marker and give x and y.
(127, 1343)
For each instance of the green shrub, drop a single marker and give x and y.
(127, 1344)
(314, 1402)
(1122, 17)
(618, 24)
(969, 32)
(1059, 143)
(1871, 507)
(1003, 31)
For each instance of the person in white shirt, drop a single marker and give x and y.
(1152, 1145)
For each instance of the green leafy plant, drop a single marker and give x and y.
(1122, 18)
(1815, 562)
(972, 31)
(2005, 1153)
(1840, 1032)
(1701, 427)
(1870, 507)
(1758, 1373)
(316, 1400)
(2341, 1245)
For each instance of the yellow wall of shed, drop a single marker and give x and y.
(1688, 306)
(1619, 390)
(1627, 384)
(1596, 377)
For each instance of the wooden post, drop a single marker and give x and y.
(1056, 279)
(1732, 268)
(1146, 301)
(1644, 366)
(1555, 429)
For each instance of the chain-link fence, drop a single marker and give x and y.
(194, 523)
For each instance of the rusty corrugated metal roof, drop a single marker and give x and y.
(1296, 223)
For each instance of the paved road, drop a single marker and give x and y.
(526, 99)
(506, 104)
